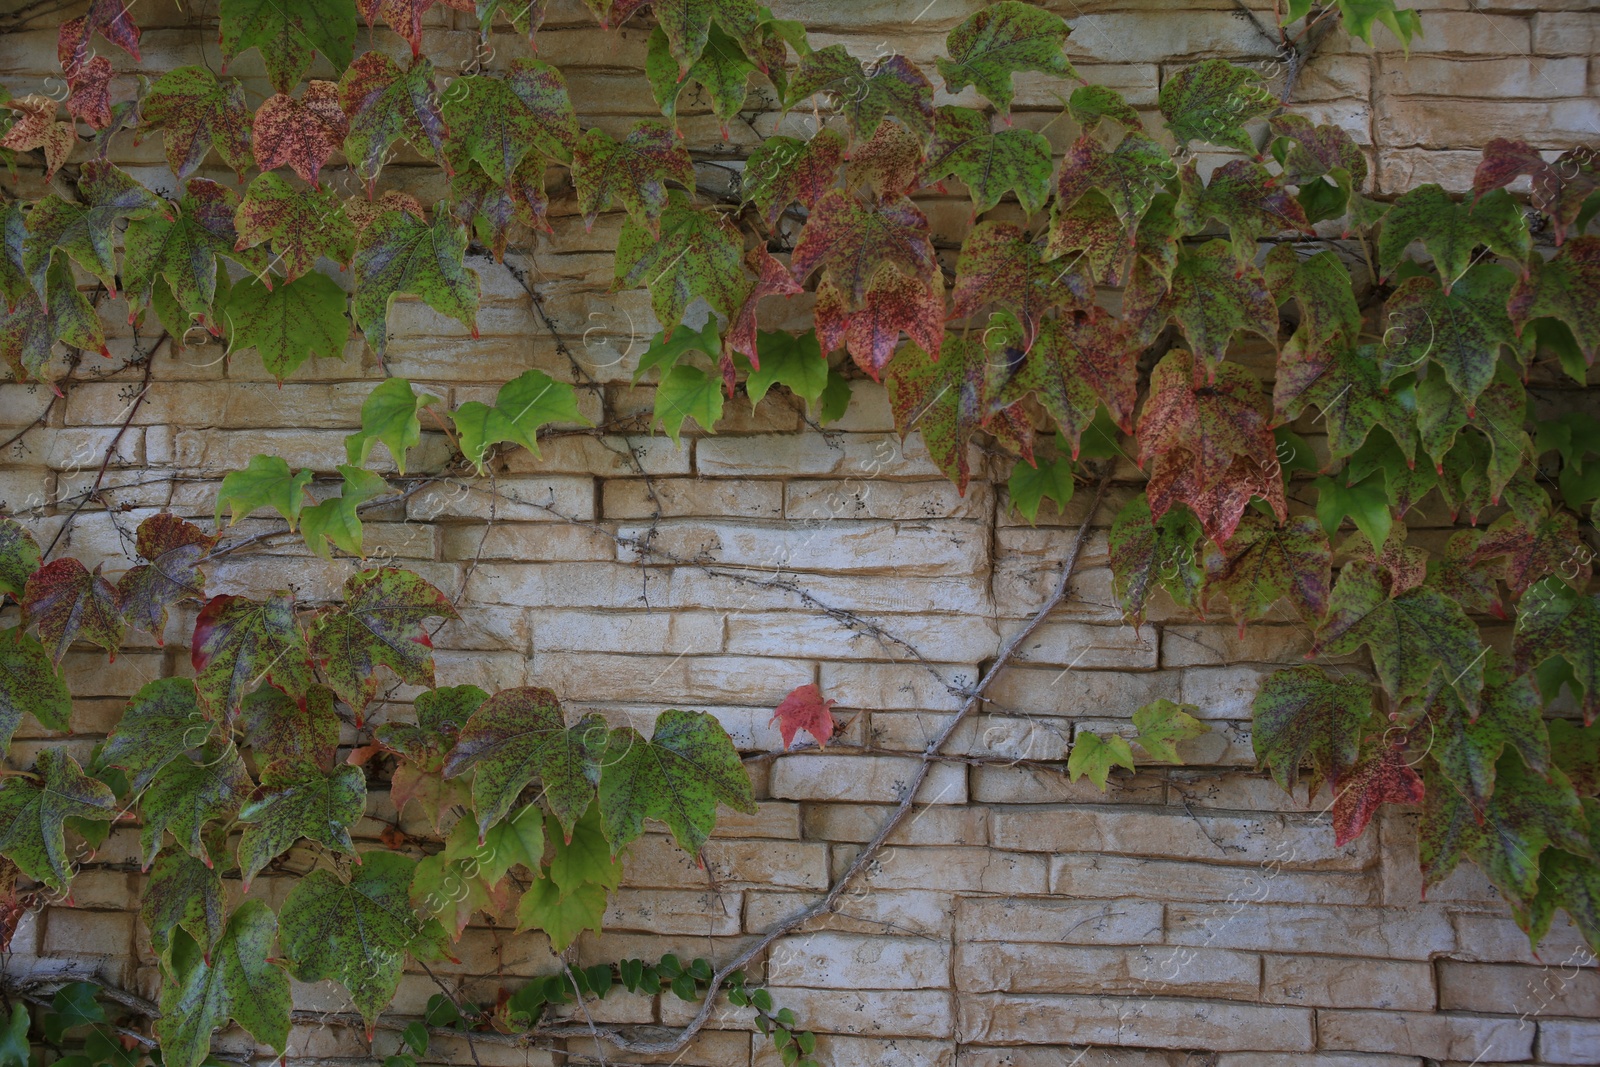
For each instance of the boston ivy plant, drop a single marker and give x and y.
(1401, 336)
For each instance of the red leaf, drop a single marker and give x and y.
(850, 241)
(772, 279)
(405, 16)
(1380, 777)
(1001, 265)
(804, 709)
(1212, 445)
(173, 549)
(1559, 188)
(895, 304)
(90, 101)
(111, 18)
(36, 127)
(889, 161)
(302, 133)
(786, 170)
(68, 602)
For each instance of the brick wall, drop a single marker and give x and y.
(1190, 916)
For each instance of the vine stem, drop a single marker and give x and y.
(930, 755)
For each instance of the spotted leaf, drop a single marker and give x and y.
(298, 801)
(1381, 776)
(1211, 102)
(240, 644)
(379, 624)
(891, 86)
(787, 170)
(301, 224)
(234, 980)
(1000, 39)
(695, 253)
(31, 684)
(385, 104)
(679, 776)
(850, 240)
(400, 253)
(86, 230)
(33, 814)
(67, 603)
(36, 127)
(197, 113)
(182, 249)
(1450, 231)
(989, 164)
(289, 323)
(1264, 562)
(1303, 714)
(163, 720)
(172, 550)
(1563, 288)
(300, 134)
(632, 172)
(288, 33)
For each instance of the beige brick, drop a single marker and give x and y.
(1393, 933)
(848, 961)
(957, 870)
(667, 911)
(894, 686)
(1461, 77)
(1041, 785)
(1262, 839)
(882, 499)
(1439, 1036)
(673, 498)
(923, 912)
(1554, 990)
(75, 932)
(1083, 1056)
(866, 779)
(1145, 971)
(1003, 736)
(1566, 33)
(866, 1012)
(1110, 922)
(1317, 981)
(1568, 1040)
(840, 1051)
(945, 639)
(841, 546)
(931, 825)
(1117, 876)
(1316, 1059)
(1151, 1022)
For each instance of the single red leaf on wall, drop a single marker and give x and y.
(300, 134)
(1380, 777)
(67, 602)
(805, 709)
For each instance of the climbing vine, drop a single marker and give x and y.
(1400, 334)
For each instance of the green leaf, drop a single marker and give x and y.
(19, 557)
(86, 230)
(1091, 103)
(1359, 15)
(893, 86)
(1563, 288)
(264, 482)
(492, 122)
(73, 1005)
(385, 104)
(1095, 756)
(524, 404)
(722, 69)
(1570, 882)
(999, 39)
(279, 728)
(302, 224)
(14, 1046)
(1162, 725)
(678, 776)
(665, 351)
(1264, 562)
(379, 624)
(29, 334)
(1467, 749)
(693, 253)
(1555, 620)
(288, 32)
(989, 164)
(240, 643)
(632, 172)
(1302, 713)
(1245, 197)
(581, 854)
(422, 749)
(562, 917)
(1366, 504)
(400, 253)
(289, 323)
(1211, 102)
(32, 814)
(197, 113)
(29, 683)
(163, 721)
(518, 734)
(688, 392)
(1462, 331)
(452, 885)
(358, 932)
(1411, 635)
(1213, 295)
(1450, 231)
(182, 251)
(336, 519)
(236, 981)
(1030, 483)
(1147, 554)
(188, 795)
(793, 360)
(1128, 178)
(836, 397)
(948, 399)
(183, 892)
(298, 801)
